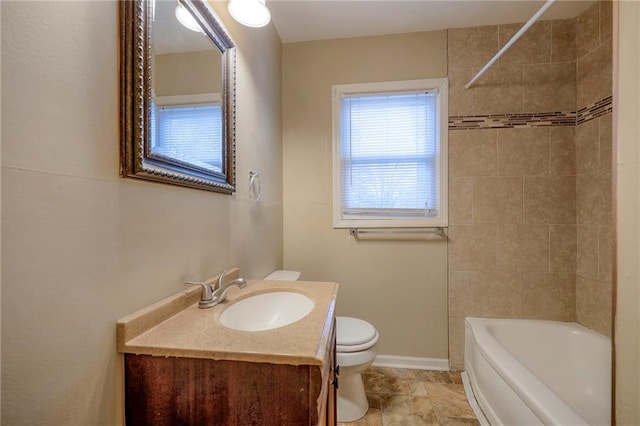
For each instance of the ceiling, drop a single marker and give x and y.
(169, 36)
(304, 20)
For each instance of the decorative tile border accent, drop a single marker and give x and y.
(531, 119)
(598, 109)
(507, 121)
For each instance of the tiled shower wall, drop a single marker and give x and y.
(518, 185)
(593, 169)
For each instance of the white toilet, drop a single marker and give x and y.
(355, 351)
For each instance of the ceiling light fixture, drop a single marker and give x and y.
(186, 19)
(252, 13)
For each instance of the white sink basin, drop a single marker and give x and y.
(266, 311)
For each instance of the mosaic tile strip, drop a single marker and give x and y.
(507, 121)
(598, 109)
(533, 119)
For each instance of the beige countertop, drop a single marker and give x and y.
(176, 327)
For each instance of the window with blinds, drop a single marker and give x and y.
(390, 154)
(189, 133)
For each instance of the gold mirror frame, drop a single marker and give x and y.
(136, 97)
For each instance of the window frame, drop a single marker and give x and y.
(438, 85)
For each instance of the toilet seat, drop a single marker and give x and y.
(354, 335)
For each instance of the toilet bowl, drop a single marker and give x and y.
(355, 351)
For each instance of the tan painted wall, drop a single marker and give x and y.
(400, 287)
(188, 73)
(627, 214)
(83, 247)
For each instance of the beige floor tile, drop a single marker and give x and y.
(449, 400)
(399, 397)
(416, 388)
(374, 400)
(372, 418)
(456, 377)
(408, 410)
(382, 384)
(452, 421)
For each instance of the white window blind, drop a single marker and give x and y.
(190, 133)
(388, 154)
(388, 161)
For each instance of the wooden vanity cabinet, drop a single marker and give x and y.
(191, 391)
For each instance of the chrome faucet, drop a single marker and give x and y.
(220, 295)
(213, 294)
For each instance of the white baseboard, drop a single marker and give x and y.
(415, 363)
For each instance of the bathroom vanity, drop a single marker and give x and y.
(182, 366)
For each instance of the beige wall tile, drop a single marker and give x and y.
(606, 20)
(460, 200)
(550, 87)
(460, 293)
(522, 248)
(523, 152)
(594, 73)
(460, 99)
(562, 248)
(606, 143)
(593, 198)
(562, 151)
(593, 304)
(549, 296)
(472, 247)
(587, 147)
(588, 30)
(472, 47)
(499, 90)
(605, 248)
(456, 342)
(563, 40)
(497, 200)
(532, 48)
(472, 152)
(550, 200)
(587, 253)
(497, 294)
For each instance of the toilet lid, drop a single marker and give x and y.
(353, 331)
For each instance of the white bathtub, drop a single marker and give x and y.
(528, 372)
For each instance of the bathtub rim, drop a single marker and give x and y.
(537, 396)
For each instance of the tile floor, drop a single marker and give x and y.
(413, 398)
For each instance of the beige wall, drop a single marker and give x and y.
(400, 287)
(188, 73)
(530, 209)
(593, 169)
(83, 247)
(627, 214)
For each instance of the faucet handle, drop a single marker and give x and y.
(207, 294)
(221, 279)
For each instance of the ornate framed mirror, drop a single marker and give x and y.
(177, 91)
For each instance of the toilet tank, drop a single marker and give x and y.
(283, 276)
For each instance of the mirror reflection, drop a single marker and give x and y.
(186, 109)
(178, 95)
